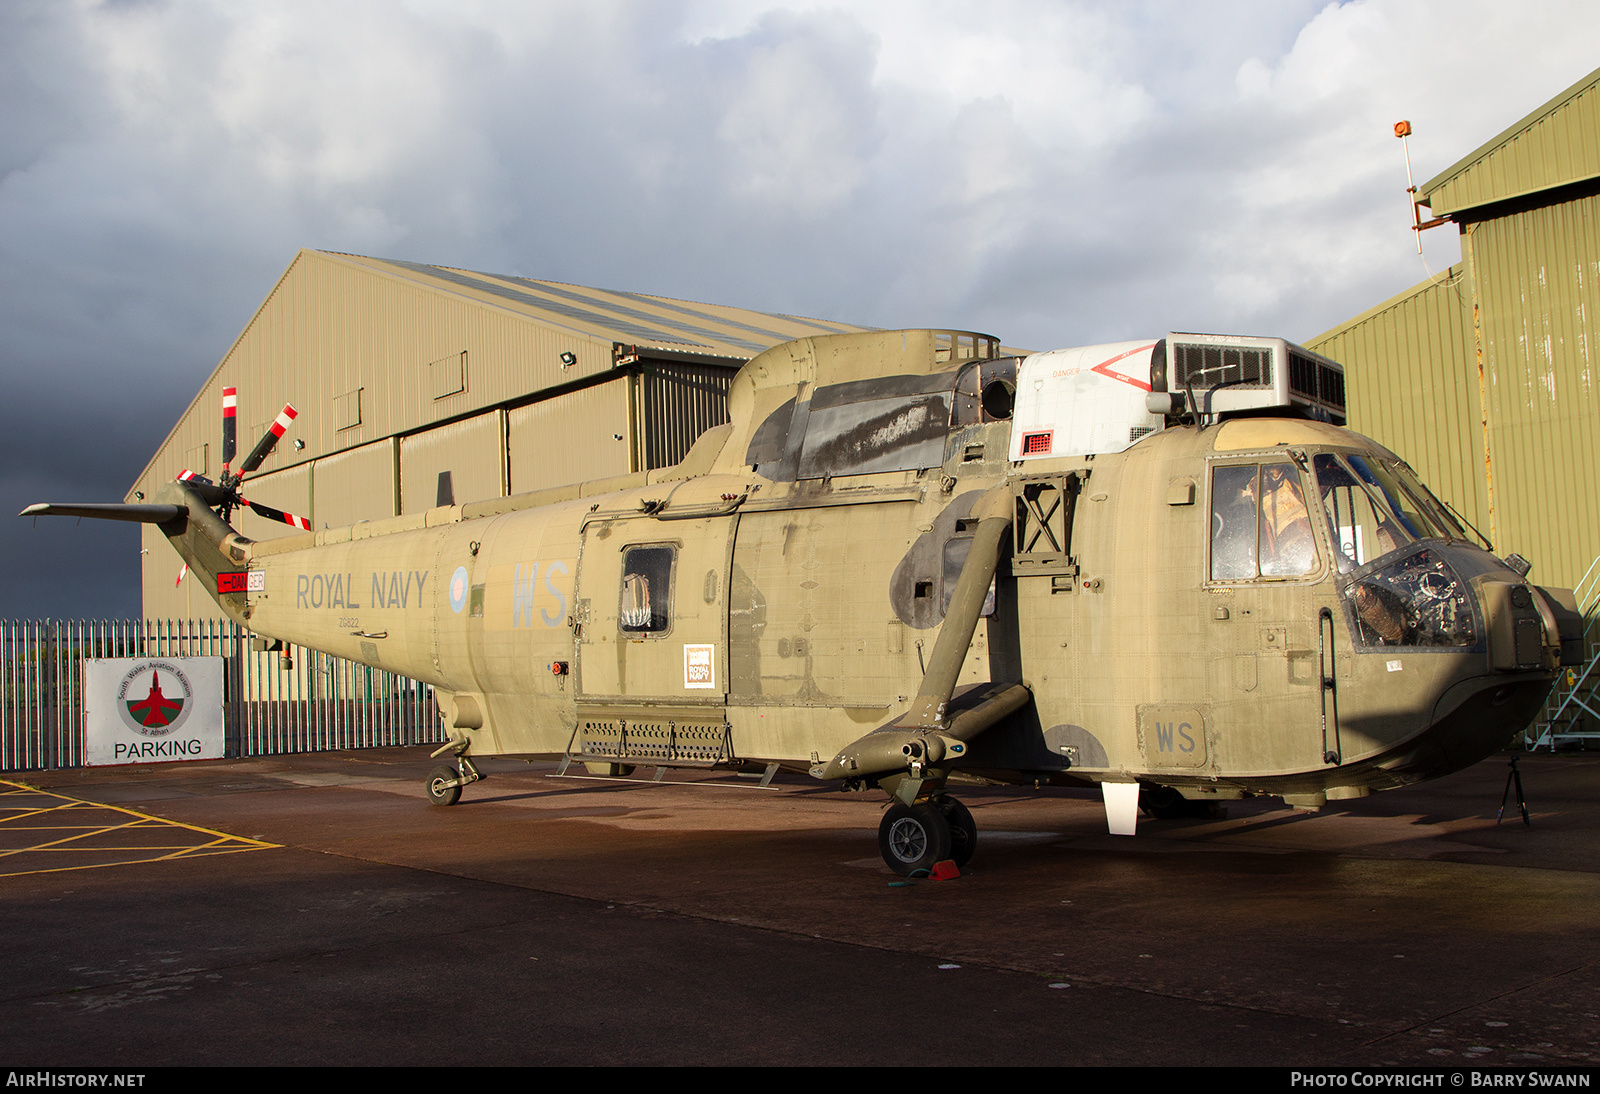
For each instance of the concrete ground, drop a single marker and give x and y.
(317, 910)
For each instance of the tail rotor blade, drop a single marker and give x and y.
(270, 513)
(230, 423)
(269, 440)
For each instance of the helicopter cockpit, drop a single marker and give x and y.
(1397, 551)
(1402, 560)
(1401, 591)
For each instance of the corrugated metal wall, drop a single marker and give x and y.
(349, 328)
(680, 402)
(1538, 282)
(402, 371)
(355, 485)
(470, 452)
(1508, 360)
(1414, 383)
(1556, 144)
(570, 439)
(1411, 383)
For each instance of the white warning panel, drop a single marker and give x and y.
(139, 710)
(1090, 399)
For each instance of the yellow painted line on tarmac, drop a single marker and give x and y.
(12, 816)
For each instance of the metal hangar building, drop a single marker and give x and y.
(419, 386)
(1487, 377)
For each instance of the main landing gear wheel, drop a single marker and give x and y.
(440, 790)
(913, 837)
(963, 829)
(1165, 803)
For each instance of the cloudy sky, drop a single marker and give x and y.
(1054, 173)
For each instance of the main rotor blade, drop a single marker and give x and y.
(269, 440)
(279, 515)
(230, 426)
(140, 514)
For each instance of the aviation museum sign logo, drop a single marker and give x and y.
(142, 710)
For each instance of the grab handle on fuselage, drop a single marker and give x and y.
(1327, 669)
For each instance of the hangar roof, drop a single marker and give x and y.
(1557, 144)
(630, 318)
(354, 342)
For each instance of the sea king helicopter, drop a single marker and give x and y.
(910, 562)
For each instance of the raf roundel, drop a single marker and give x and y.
(458, 589)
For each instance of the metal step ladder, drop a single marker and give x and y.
(1572, 713)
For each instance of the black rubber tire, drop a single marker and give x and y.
(963, 830)
(912, 838)
(438, 792)
(1165, 803)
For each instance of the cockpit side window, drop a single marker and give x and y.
(1233, 522)
(1358, 525)
(1437, 512)
(1260, 524)
(1287, 546)
(1406, 509)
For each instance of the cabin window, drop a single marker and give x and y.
(887, 423)
(646, 606)
(1260, 526)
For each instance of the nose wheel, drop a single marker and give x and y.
(915, 837)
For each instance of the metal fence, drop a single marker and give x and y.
(296, 701)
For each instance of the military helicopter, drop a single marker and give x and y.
(910, 562)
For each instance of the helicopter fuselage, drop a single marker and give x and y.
(729, 617)
(908, 561)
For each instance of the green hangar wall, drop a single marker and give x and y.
(1485, 376)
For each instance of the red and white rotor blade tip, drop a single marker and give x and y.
(269, 440)
(230, 425)
(270, 513)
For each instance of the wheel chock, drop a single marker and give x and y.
(944, 871)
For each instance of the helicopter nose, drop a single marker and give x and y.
(1517, 632)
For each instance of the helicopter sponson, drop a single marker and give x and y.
(912, 560)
